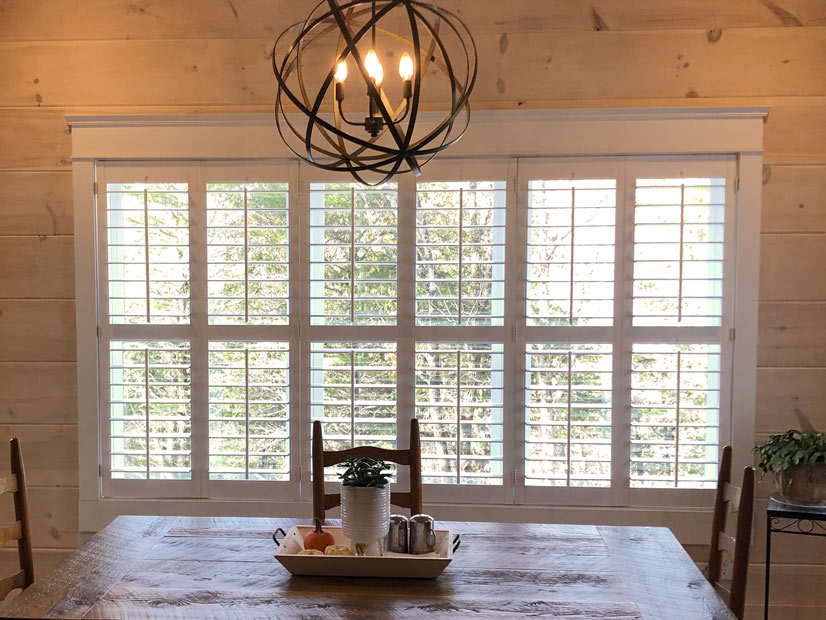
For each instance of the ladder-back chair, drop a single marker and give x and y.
(15, 483)
(411, 457)
(730, 498)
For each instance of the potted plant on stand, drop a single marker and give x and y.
(798, 461)
(365, 504)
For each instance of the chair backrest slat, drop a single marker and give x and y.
(402, 457)
(7, 584)
(13, 531)
(730, 498)
(8, 484)
(726, 543)
(411, 457)
(731, 494)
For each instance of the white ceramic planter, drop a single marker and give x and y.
(365, 517)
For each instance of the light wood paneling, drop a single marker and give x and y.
(38, 393)
(682, 63)
(49, 453)
(37, 331)
(754, 611)
(35, 203)
(792, 267)
(791, 583)
(37, 267)
(794, 199)
(795, 131)
(787, 397)
(52, 516)
(791, 334)
(33, 139)
(24, 20)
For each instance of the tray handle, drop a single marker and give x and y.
(275, 535)
(457, 541)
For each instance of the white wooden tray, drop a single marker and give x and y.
(399, 565)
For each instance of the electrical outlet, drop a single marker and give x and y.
(725, 568)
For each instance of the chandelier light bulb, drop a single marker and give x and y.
(406, 67)
(341, 72)
(373, 67)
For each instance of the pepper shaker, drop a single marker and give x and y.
(422, 534)
(397, 536)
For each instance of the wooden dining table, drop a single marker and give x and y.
(223, 568)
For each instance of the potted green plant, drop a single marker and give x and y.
(365, 504)
(798, 461)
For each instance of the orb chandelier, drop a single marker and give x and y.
(353, 118)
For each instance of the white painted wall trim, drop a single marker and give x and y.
(491, 133)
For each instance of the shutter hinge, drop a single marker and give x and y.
(100, 471)
(95, 188)
(731, 334)
(513, 332)
(299, 332)
(737, 184)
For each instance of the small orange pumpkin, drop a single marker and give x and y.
(318, 539)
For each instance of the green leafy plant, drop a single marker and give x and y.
(782, 452)
(364, 472)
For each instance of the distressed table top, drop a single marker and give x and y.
(223, 568)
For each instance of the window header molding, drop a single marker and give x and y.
(501, 133)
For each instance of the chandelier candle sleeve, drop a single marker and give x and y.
(437, 64)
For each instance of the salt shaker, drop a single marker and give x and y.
(422, 533)
(397, 536)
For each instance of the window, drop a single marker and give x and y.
(561, 327)
(623, 264)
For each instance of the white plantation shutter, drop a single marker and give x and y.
(678, 251)
(353, 249)
(681, 322)
(460, 253)
(249, 410)
(571, 251)
(675, 415)
(212, 402)
(459, 404)
(150, 410)
(248, 253)
(560, 328)
(568, 415)
(353, 393)
(148, 253)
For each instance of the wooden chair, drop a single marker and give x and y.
(411, 457)
(19, 530)
(731, 499)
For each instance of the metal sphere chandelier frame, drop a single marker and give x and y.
(391, 139)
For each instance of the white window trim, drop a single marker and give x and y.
(601, 132)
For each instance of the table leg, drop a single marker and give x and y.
(768, 567)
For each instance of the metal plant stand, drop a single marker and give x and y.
(786, 518)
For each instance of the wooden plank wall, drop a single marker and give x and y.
(190, 56)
